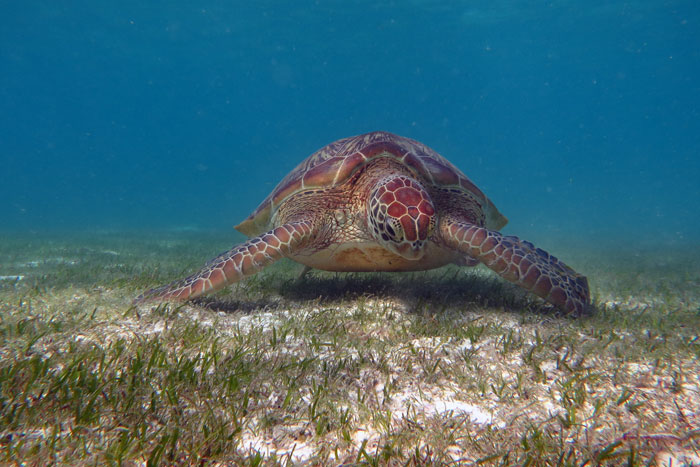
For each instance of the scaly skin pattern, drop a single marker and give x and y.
(242, 260)
(380, 202)
(400, 204)
(520, 262)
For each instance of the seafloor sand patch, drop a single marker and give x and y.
(383, 369)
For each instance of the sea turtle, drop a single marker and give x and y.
(382, 202)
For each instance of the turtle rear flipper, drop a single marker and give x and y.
(242, 260)
(522, 263)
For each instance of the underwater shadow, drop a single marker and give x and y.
(417, 292)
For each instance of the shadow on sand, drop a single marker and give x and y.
(416, 292)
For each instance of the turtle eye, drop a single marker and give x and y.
(393, 228)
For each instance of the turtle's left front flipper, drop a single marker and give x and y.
(242, 260)
(521, 263)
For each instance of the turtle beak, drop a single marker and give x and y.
(411, 251)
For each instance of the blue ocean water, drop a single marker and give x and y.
(581, 120)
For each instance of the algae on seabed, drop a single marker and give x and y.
(452, 365)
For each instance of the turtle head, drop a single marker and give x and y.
(401, 216)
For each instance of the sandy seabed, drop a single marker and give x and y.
(449, 366)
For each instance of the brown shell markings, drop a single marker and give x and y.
(334, 163)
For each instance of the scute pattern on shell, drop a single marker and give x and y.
(335, 163)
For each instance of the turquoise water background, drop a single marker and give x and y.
(581, 120)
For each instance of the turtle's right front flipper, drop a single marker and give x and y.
(242, 260)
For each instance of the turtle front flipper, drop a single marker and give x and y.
(242, 260)
(522, 263)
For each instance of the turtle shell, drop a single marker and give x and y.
(333, 164)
